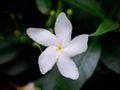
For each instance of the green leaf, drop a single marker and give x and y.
(43, 6)
(87, 63)
(106, 26)
(111, 57)
(4, 44)
(91, 6)
(17, 67)
(5, 58)
(60, 85)
(48, 82)
(6, 55)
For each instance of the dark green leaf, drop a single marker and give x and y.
(106, 26)
(4, 44)
(43, 6)
(48, 82)
(17, 67)
(7, 54)
(60, 85)
(92, 7)
(111, 58)
(7, 57)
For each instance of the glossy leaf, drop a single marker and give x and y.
(106, 26)
(43, 6)
(92, 7)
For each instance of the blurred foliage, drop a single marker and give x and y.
(106, 26)
(91, 6)
(99, 65)
(44, 6)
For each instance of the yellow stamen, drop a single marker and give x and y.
(59, 48)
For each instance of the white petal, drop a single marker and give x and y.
(42, 36)
(67, 67)
(63, 28)
(47, 59)
(77, 45)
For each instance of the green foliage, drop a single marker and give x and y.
(43, 6)
(17, 68)
(6, 54)
(92, 7)
(112, 59)
(110, 56)
(48, 82)
(106, 26)
(60, 84)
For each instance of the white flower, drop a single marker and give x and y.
(29, 86)
(60, 47)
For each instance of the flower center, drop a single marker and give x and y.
(60, 48)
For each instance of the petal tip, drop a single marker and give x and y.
(75, 77)
(29, 31)
(62, 13)
(43, 70)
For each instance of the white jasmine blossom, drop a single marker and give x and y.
(60, 47)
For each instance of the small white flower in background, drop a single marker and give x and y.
(29, 86)
(60, 47)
